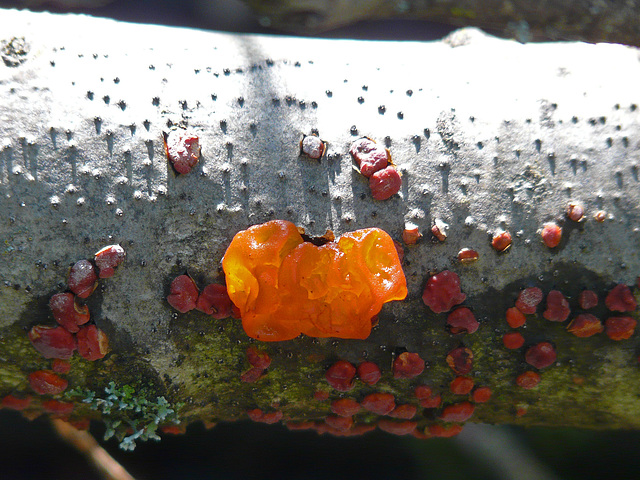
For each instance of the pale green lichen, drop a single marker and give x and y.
(125, 410)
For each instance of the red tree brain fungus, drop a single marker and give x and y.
(529, 299)
(442, 292)
(284, 286)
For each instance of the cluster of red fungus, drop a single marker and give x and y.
(543, 354)
(374, 162)
(214, 300)
(73, 332)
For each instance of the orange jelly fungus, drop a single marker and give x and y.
(284, 286)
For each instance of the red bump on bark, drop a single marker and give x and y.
(411, 234)
(551, 235)
(340, 375)
(443, 431)
(83, 279)
(528, 380)
(529, 299)
(369, 373)
(442, 292)
(512, 340)
(369, 156)
(183, 294)
(522, 411)
(501, 241)
(433, 402)
(380, 403)
(57, 408)
(183, 150)
(439, 230)
(252, 375)
(541, 355)
(60, 366)
(397, 428)
(272, 417)
(312, 147)
(385, 183)
(425, 396)
(68, 312)
(341, 424)
(461, 385)
(258, 359)
(422, 391)
(557, 307)
(620, 328)
(575, 212)
(408, 365)
(320, 395)
(255, 414)
(52, 342)
(482, 394)
(585, 325)
(345, 407)
(620, 299)
(15, 403)
(404, 412)
(214, 300)
(45, 382)
(588, 299)
(515, 318)
(93, 343)
(462, 320)
(468, 255)
(458, 412)
(460, 360)
(107, 259)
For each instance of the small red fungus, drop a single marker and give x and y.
(442, 292)
(411, 234)
(522, 411)
(93, 343)
(15, 403)
(340, 375)
(183, 294)
(551, 235)
(45, 382)
(425, 396)
(461, 385)
(83, 279)
(397, 428)
(620, 328)
(541, 355)
(588, 299)
(460, 360)
(433, 402)
(369, 156)
(60, 366)
(439, 230)
(501, 241)
(57, 408)
(444, 431)
(214, 300)
(312, 147)
(620, 299)
(528, 380)
(385, 183)
(182, 149)
(173, 429)
(107, 259)
(575, 212)
(557, 307)
(258, 359)
(404, 412)
(482, 394)
(515, 318)
(345, 407)
(585, 325)
(369, 373)
(272, 417)
(529, 299)
(408, 365)
(52, 342)
(341, 424)
(458, 412)
(422, 391)
(468, 255)
(513, 340)
(320, 395)
(252, 375)
(600, 216)
(462, 320)
(255, 414)
(380, 403)
(68, 312)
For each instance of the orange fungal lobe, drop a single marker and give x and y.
(284, 286)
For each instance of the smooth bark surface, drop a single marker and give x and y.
(488, 134)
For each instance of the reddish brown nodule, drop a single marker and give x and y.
(442, 292)
(528, 380)
(585, 325)
(45, 382)
(461, 385)
(515, 318)
(52, 342)
(340, 375)
(408, 365)
(620, 328)
(460, 360)
(458, 412)
(462, 320)
(380, 403)
(93, 343)
(513, 340)
(183, 294)
(557, 307)
(468, 255)
(551, 235)
(369, 373)
(83, 279)
(385, 183)
(501, 241)
(529, 299)
(107, 259)
(345, 407)
(214, 300)
(541, 356)
(575, 212)
(482, 394)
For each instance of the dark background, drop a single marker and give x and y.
(31, 450)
